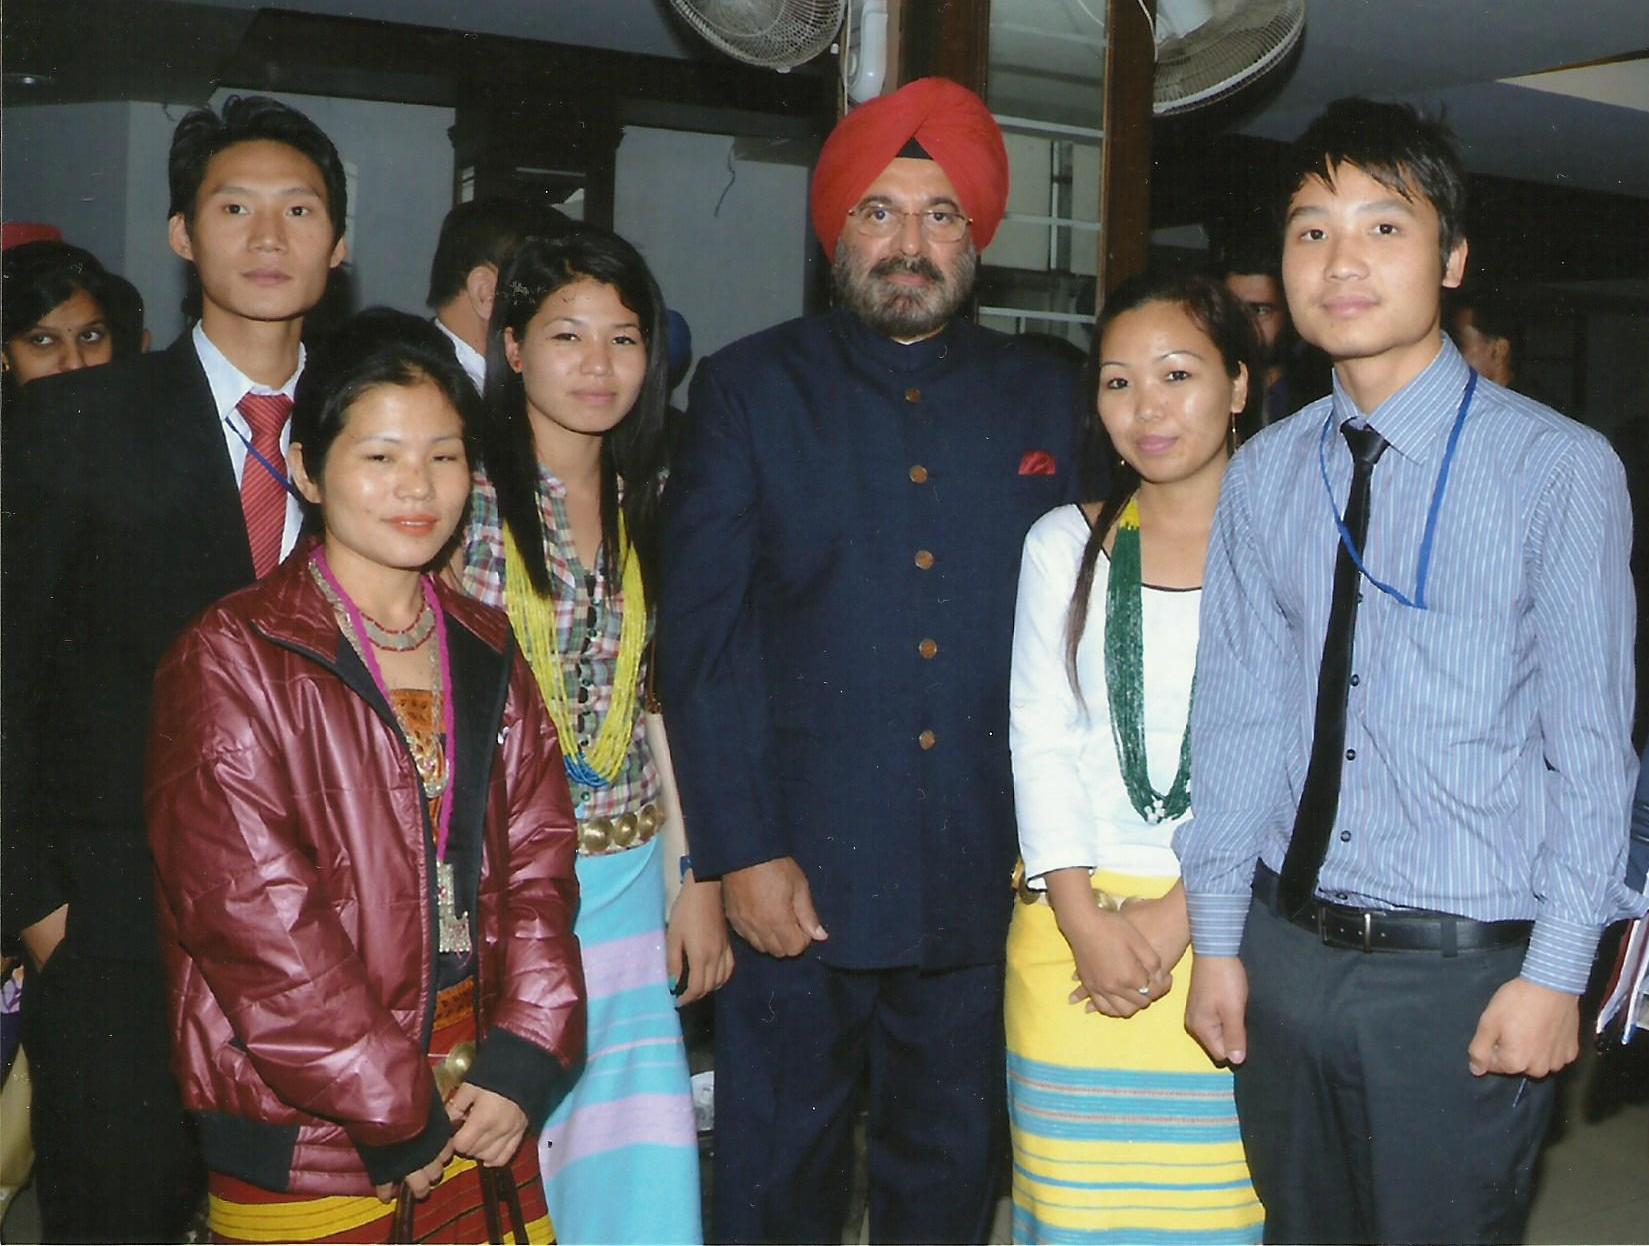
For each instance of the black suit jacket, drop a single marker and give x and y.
(122, 521)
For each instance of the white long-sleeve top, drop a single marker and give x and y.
(1073, 809)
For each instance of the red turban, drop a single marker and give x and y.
(952, 125)
(19, 232)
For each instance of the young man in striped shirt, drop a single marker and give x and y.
(1411, 749)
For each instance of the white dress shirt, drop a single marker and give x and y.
(1073, 809)
(471, 360)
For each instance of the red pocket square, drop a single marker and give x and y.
(1037, 463)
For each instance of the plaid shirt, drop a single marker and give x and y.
(586, 627)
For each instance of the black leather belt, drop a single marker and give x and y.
(1403, 930)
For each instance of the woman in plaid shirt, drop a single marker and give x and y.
(563, 535)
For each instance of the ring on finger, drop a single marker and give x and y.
(1143, 990)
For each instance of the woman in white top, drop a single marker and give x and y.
(1122, 1129)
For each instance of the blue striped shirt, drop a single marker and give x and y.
(1489, 767)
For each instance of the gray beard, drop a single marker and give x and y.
(893, 311)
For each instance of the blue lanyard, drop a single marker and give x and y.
(280, 476)
(1423, 567)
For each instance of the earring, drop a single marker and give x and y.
(1233, 432)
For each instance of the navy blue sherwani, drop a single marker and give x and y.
(842, 544)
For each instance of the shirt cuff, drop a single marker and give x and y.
(522, 1072)
(1560, 954)
(386, 1164)
(1217, 922)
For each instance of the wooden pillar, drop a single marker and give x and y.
(943, 38)
(1125, 162)
(896, 10)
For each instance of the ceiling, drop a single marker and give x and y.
(620, 25)
(1453, 54)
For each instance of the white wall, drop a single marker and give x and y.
(730, 272)
(66, 164)
(98, 172)
(150, 264)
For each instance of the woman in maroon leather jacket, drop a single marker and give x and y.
(361, 831)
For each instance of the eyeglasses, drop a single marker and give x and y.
(878, 220)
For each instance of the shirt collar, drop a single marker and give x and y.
(229, 384)
(471, 360)
(549, 483)
(1414, 418)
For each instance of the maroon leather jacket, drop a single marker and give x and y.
(293, 857)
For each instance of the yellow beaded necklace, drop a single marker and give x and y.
(533, 618)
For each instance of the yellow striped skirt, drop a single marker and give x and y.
(1123, 1131)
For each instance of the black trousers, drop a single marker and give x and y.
(115, 1157)
(795, 1040)
(1360, 1116)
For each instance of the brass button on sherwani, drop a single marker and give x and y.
(913, 394)
(918, 475)
(927, 648)
(926, 740)
(924, 559)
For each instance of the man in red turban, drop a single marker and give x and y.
(846, 512)
(946, 122)
(930, 154)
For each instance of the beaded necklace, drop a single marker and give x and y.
(402, 639)
(533, 618)
(1125, 681)
(435, 773)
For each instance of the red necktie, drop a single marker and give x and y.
(262, 491)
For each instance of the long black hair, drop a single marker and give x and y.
(1219, 314)
(633, 450)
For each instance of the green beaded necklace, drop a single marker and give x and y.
(1125, 681)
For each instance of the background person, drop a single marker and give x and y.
(1121, 1127)
(1293, 371)
(362, 841)
(1486, 332)
(477, 239)
(63, 311)
(564, 535)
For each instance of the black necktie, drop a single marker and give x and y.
(1320, 800)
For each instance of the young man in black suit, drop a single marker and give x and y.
(136, 495)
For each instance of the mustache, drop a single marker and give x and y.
(917, 264)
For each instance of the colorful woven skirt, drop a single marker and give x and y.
(620, 1151)
(1122, 1129)
(239, 1212)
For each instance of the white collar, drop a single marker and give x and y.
(471, 360)
(229, 384)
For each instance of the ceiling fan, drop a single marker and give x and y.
(782, 34)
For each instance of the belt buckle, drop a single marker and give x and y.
(1368, 931)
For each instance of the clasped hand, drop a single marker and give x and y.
(1124, 960)
(1118, 972)
(489, 1131)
